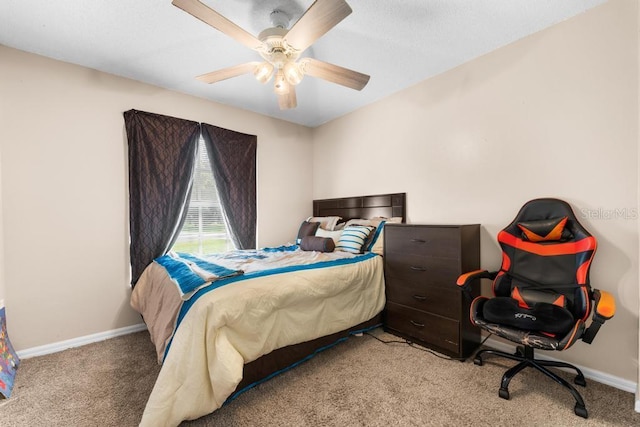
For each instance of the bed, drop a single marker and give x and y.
(224, 323)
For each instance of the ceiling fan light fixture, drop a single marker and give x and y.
(280, 84)
(263, 72)
(293, 73)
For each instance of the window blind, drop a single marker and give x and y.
(204, 230)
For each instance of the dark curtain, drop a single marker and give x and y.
(162, 152)
(233, 160)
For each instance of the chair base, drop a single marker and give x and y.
(525, 356)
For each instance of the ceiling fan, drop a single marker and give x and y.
(281, 48)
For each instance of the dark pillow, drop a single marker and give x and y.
(316, 243)
(307, 229)
(541, 317)
(545, 230)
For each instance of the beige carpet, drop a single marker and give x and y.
(362, 382)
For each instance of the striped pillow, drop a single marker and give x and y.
(353, 238)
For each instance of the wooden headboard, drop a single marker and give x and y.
(385, 205)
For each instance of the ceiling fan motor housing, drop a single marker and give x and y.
(275, 49)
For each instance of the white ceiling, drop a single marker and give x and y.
(397, 42)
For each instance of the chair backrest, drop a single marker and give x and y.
(546, 251)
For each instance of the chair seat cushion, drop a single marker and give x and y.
(541, 317)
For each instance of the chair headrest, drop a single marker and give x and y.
(547, 220)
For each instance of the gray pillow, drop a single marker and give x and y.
(316, 243)
(307, 229)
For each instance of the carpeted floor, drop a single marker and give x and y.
(362, 382)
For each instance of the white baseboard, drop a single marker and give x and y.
(77, 342)
(601, 377)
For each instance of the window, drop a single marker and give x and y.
(204, 230)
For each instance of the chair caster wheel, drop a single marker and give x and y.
(579, 379)
(477, 361)
(581, 411)
(504, 393)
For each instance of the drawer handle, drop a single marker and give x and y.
(418, 241)
(419, 325)
(420, 297)
(414, 268)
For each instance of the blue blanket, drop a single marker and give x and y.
(191, 273)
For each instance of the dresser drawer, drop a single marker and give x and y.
(442, 242)
(442, 301)
(430, 328)
(421, 269)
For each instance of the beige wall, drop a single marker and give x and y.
(637, 407)
(64, 190)
(554, 114)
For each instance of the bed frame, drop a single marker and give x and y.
(265, 367)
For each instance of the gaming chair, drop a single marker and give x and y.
(542, 296)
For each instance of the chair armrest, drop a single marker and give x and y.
(604, 305)
(464, 281)
(604, 308)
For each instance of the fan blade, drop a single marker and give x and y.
(217, 21)
(334, 73)
(321, 16)
(227, 73)
(288, 100)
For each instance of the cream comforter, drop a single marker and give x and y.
(241, 321)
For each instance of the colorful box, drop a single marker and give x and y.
(8, 358)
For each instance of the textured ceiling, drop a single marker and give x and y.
(398, 43)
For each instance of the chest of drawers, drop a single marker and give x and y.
(424, 305)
